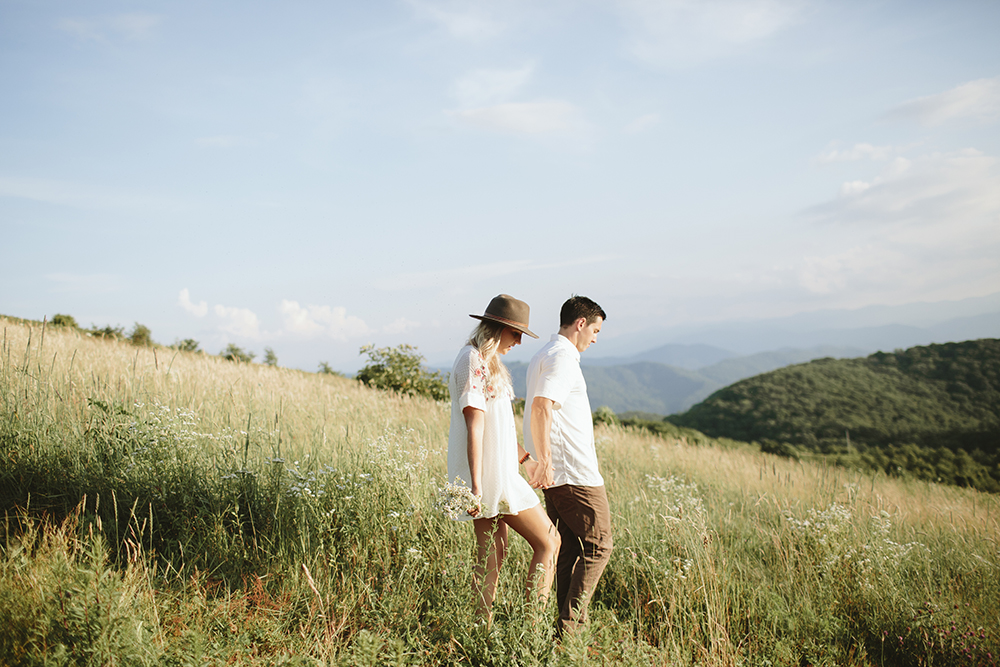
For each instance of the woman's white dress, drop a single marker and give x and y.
(504, 490)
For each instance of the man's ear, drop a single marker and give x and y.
(580, 323)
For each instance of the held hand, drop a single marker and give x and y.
(475, 510)
(541, 476)
(530, 467)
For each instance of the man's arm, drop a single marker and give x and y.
(541, 430)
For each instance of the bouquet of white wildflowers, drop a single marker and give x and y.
(456, 499)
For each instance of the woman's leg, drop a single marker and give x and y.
(534, 526)
(491, 549)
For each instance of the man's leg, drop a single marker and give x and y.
(569, 550)
(584, 511)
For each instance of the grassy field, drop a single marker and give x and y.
(172, 508)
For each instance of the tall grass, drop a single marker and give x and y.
(171, 508)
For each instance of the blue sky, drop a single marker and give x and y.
(314, 176)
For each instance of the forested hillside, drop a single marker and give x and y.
(933, 410)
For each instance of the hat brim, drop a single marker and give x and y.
(513, 325)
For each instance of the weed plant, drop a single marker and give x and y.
(164, 507)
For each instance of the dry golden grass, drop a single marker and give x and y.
(795, 485)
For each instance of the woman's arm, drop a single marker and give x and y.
(541, 429)
(475, 424)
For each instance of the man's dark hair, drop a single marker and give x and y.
(577, 307)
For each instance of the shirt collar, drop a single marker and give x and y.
(562, 341)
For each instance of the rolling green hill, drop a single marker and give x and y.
(941, 398)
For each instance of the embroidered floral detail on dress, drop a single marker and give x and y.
(479, 371)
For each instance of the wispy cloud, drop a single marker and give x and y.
(528, 118)
(486, 99)
(483, 87)
(241, 322)
(79, 195)
(929, 219)
(978, 99)
(199, 309)
(683, 32)
(312, 321)
(472, 21)
(131, 27)
(90, 283)
(855, 153)
(939, 188)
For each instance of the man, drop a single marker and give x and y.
(559, 432)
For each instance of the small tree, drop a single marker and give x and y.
(114, 333)
(64, 321)
(401, 369)
(326, 369)
(141, 335)
(186, 345)
(270, 358)
(235, 353)
(605, 415)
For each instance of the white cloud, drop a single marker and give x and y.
(528, 118)
(133, 27)
(837, 271)
(950, 190)
(853, 187)
(94, 283)
(184, 301)
(642, 123)
(924, 224)
(314, 321)
(473, 21)
(680, 32)
(483, 87)
(857, 152)
(240, 322)
(975, 99)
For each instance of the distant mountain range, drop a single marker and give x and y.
(874, 328)
(699, 360)
(636, 384)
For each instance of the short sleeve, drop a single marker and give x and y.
(556, 376)
(470, 380)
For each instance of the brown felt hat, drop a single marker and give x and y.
(505, 309)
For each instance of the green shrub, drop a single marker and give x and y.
(107, 331)
(605, 415)
(141, 336)
(270, 358)
(59, 320)
(401, 369)
(234, 352)
(186, 345)
(326, 369)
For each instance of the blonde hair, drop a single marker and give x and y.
(486, 338)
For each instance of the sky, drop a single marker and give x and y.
(316, 176)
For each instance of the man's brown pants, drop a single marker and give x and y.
(583, 518)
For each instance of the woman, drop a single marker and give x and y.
(484, 453)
